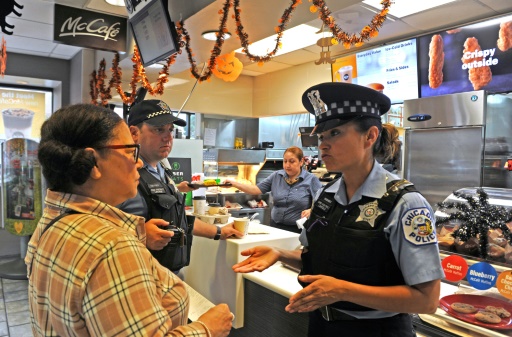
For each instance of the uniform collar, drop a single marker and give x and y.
(301, 176)
(373, 187)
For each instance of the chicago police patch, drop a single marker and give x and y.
(418, 226)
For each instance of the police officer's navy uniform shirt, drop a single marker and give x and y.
(290, 200)
(416, 255)
(137, 205)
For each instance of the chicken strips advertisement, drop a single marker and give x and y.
(474, 57)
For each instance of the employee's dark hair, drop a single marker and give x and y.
(296, 151)
(387, 148)
(64, 137)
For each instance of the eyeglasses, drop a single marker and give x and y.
(162, 130)
(127, 146)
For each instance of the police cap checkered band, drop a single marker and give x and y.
(153, 112)
(342, 102)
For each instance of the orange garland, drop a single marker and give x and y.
(139, 74)
(3, 57)
(369, 31)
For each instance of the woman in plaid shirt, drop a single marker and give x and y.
(90, 273)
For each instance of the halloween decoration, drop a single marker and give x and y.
(98, 88)
(228, 67)
(3, 57)
(369, 31)
(476, 219)
(325, 56)
(8, 7)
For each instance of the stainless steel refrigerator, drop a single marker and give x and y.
(456, 141)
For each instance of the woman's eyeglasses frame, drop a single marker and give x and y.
(125, 146)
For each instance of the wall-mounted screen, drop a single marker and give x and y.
(305, 138)
(24, 111)
(391, 69)
(154, 32)
(473, 57)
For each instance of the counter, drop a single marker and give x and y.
(283, 281)
(210, 271)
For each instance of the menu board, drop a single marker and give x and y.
(391, 69)
(473, 57)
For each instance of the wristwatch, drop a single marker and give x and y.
(217, 236)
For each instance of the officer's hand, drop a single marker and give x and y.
(305, 213)
(260, 258)
(228, 231)
(156, 237)
(321, 291)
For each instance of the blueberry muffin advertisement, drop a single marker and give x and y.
(474, 57)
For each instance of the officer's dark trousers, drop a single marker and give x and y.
(396, 326)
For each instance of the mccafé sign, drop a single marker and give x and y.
(78, 27)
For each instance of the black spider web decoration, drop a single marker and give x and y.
(476, 217)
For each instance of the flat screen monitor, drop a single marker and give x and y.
(154, 32)
(391, 69)
(306, 139)
(474, 57)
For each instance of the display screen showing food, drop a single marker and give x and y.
(391, 69)
(474, 57)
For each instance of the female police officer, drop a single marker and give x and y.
(370, 252)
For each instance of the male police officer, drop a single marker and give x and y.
(158, 200)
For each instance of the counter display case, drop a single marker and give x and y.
(483, 222)
(473, 228)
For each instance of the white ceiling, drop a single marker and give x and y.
(33, 32)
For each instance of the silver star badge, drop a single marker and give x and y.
(369, 212)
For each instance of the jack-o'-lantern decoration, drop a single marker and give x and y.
(227, 67)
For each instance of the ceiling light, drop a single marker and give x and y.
(212, 35)
(401, 8)
(295, 38)
(115, 2)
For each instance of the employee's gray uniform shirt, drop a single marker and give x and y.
(290, 200)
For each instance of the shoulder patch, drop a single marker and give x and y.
(418, 227)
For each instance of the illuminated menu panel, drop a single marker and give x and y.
(153, 32)
(391, 69)
(474, 57)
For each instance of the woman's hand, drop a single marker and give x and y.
(260, 258)
(218, 319)
(305, 213)
(183, 187)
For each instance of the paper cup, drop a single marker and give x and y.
(345, 74)
(242, 225)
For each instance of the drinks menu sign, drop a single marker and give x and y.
(391, 69)
(23, 113)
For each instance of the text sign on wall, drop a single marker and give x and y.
(78, 27)
(181, 169)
